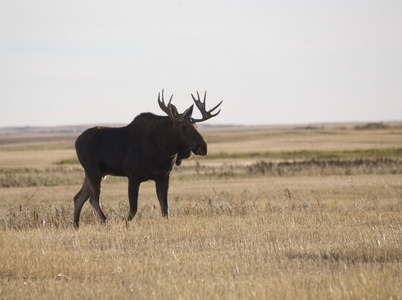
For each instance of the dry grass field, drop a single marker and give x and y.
(271, 213)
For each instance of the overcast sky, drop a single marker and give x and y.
(272, 62)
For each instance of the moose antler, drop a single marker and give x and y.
(167, 109)
(201, 106)
(170, 109)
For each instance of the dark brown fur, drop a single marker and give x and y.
(146, 149)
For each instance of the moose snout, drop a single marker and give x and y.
(200, 149)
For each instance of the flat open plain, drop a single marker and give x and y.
(271, 213)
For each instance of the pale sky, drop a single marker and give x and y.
(272, 62)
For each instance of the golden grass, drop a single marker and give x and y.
(32, 158)
(281, 255)
(283, 238)
(279, 237)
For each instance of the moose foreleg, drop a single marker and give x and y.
(162, 186)
(133, 188)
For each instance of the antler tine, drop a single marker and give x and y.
(216, 108)
(161, 103)
(201, 106)
(167, 109)
(198, 102)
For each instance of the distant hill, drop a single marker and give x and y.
(27, 130)
(43, 129)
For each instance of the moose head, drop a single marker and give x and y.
(190, 137)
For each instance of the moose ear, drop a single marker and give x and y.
(175, 113)
(189, 112)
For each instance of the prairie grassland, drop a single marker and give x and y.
(309, 231)
(295, 140)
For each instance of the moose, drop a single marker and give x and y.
(146, 149)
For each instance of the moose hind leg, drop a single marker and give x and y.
(162, 186)
(94, 196)
(79, 201)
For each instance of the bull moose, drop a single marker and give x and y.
(146, 149)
